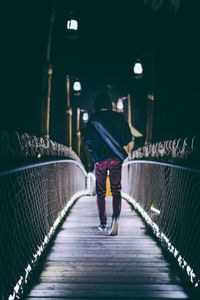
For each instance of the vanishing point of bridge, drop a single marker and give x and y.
(50, 247)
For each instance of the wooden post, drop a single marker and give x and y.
(78, 133)
(129, 119)
(149, 123)
(68, 90)
(150, 105)
(129, 109)
(45, 105)
(68, 114)
(46, 84)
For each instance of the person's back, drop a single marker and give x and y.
(115, 124)
(106, 158)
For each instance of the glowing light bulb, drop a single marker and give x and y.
(138, 68)
(85, 116)
(72, 24)
(77, 86)
(120, 104)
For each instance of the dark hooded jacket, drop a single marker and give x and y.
(115, 124)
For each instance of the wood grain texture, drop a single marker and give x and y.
(87, 264)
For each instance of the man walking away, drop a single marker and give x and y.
(105, 135)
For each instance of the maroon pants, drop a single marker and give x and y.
(114, 165)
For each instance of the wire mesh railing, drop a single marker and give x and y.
(167, 196)
(183, 151)
(17, 149)
(33, 200)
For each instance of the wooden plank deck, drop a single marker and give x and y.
(87, 264)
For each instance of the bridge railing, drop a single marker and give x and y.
(18, 148)
(159, 183)
(183, 151)
(34, 197)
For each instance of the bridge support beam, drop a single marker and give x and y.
(46, 84)
(68, 114)
(45, 105)
(78, 133)
(149, 123)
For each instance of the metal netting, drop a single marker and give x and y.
(168, 197)
(18, 149)
(32, 200)
(182, 151)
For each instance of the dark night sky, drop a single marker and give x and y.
(112, 34)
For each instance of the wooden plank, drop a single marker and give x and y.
(142, 272)
(109, 293)
(60, 259)
(117, 286)
(105, 240)
(166, 279)
(105, 264)
(99, 242)
(101, 235)
(97, 251)
(122, 269)
(102, 257)
(104, 298)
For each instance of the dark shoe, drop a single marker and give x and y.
(102, 227)
(114, 229)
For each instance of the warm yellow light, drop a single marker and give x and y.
(150, 97)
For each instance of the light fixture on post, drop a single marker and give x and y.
(77, 87)
(77, 92)
(120, 105)
(72, 25)
(138, 72)
(120, 108)
(78, 132)
(85, 116)
(138, 69)
(68, 114)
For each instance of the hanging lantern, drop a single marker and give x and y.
(85, 116)
(138, 69)
(120, 104)
(72, 26)
(77, 87)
